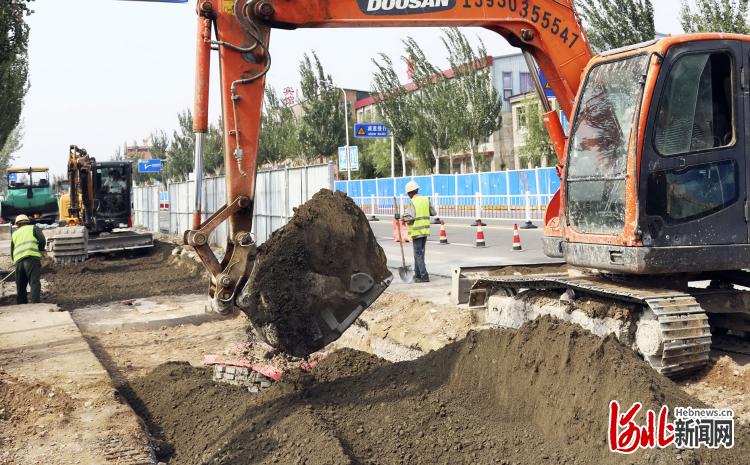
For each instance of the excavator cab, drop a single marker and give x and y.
(655, 179)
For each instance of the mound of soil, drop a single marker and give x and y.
(539, 395)
(109, 278)
(304, 270)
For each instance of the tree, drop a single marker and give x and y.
(182, 149)
(617, 23)
(395, 105)
(434, 95)
(213, 152)
(7, 153)
(538, 145)
(477, 107)
(715, 16)
(323, 126)
(14, 67)
(279, 132)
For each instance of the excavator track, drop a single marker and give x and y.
(675, 342)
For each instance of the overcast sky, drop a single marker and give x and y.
(104, 72)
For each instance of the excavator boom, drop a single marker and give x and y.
(548, 31)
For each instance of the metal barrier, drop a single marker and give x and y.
(492, 207)
(277, 192)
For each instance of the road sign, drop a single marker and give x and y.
(371, 130)
(545, 84)
(149, 166)
(353, 153)
(12, 177)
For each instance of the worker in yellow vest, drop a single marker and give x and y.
(26, 246)
(417, 216)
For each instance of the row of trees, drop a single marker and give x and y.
(443, 115)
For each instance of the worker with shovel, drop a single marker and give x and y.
(417, 216)
(26, 246)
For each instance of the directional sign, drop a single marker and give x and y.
(12, 177)
(371, 130)
(149, 166)
(353, 153)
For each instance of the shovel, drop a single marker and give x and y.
(406, 273)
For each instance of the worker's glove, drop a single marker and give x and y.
(397, 216)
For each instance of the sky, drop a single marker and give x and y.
(106, 72)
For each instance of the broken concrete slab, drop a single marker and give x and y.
(147, 313)
(43, 351)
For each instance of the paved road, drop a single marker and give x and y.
(461, 249)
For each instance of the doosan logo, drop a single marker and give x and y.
(404, 7)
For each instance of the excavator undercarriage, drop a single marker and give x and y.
(675, 322)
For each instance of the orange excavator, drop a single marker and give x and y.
(654, 175)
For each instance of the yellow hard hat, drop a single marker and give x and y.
(411, 186)
(22, 219)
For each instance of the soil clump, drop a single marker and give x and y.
(304, 270)
(533, 396)
(113, 277)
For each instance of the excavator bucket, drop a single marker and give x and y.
(313, 277)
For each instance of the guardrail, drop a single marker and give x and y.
(528, 207)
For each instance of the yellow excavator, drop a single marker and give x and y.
(96, 212)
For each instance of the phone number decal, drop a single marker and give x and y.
(535, 13)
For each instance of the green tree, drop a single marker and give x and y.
(538, 145)
(433, 97)
(213, 153)
(715, 16)
(181, 149)
(477, 107)
(322, 128)
(279, 132)
(374, 158)
(7, 153)
(14, 67)
(617, 23)
(395, 106)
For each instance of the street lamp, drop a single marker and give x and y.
(346, 131)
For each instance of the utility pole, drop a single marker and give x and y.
(346, 130)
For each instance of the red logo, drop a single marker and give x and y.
(626, 436)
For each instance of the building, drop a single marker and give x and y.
(511, 77)
(138, 152)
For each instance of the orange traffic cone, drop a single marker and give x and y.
(480, 236)
(516, 239)
(443, 235)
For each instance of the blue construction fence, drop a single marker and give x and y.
(497, 188)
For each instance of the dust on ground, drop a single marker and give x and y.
(303, 271)
(725, 382)
(113, 277)
(536, 395)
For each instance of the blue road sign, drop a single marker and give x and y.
(12, 177)
(545, 84)
(149, 166)
(353, 153)
(371, 130)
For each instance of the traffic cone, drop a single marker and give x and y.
(443, 235)
(516, 239)
(480, 236)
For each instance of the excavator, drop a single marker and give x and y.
(96, 212)
(653, 200)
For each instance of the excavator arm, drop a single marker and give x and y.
(547, 31)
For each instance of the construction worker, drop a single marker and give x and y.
(26, 246)
(418, 218)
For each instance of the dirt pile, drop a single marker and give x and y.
(302, 277)
(539, 395)
(109, 278)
